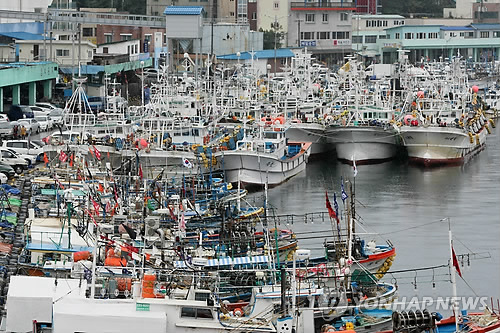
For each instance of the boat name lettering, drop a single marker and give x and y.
(141, 307)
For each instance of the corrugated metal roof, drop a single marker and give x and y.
(456, 28)
(22, 35)
(263, 54)
(485, 26)
(183, 10)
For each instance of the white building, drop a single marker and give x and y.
(230, 38)
(64, 52)
(38, 6)
(131, 47)
(270, 12)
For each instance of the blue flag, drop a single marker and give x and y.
(335, 204)
(343, 194)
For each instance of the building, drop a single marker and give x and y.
(324, 27)
(130, 47)
(368, 30)
(479, 42)
(210, 7)
(264, 61)
(66, 53)
(273, 15)
(229, 38)
(368, 7)
(474, 9)
(38, 6)
(150, 38)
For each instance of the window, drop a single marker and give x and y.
(108, 38)
(344, 16)
(384, 23)
(397, 35)
(128, 49)
(196, 313)
(136, 49)
(341, 35)
(368, 24)
(496, 34)
(124, 37)
(324, 35)
(307, 35)
(370, 39)
(310, 18)
(62, 53)
(357, 39)
(276, 5)
(325, 18)
(231, 14)
(254, 15)
(420, 35)
(382, 37)
(453, 34)
(87, 32)
(432, 35)
(408, 35)
(485, 34)
(105, 50)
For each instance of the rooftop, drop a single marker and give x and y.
(263, 54)
(21, 35)
(183, 10)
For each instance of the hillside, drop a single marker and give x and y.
(430, 8)
(131, 6)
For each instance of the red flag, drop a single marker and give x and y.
(97, 153)
(331, 212)
(455, 262)
(71, 159)
(108, 155)
(63, 157)
(45, 158)
(96, 206)
(140, 171)
(91, 151)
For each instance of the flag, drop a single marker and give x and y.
(182, 223)
(140, 171)
(108, 207)
(354, 169)
(343, 195)
(71, 159)
(336, 205)
(96, 206)
(455, 262)
(63, 157)
(187, 164)
(331, 212)
(97, 153)
(45, 159)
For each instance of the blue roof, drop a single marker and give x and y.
(485, 26)
(21, 35)
(84, 69)
(183, 10)
(264, 54)
(456, 28)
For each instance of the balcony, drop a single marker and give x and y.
(323, 5)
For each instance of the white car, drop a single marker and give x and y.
(45, 122)
(10, 158)
(3, 117)
(30, 124)
(38, 111)
(48, 106)
(31, 159)
(57, 117)
(24, 147)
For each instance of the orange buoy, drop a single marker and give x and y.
(148, 283)
(238, 312)
(81, 255)
(124, 284)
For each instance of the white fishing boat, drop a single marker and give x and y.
(268, 158)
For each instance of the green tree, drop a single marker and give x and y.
(269, 39)
(131, 6)
(432, 8)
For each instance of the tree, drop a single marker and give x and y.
(433, 8)
(131, 6)
(269, 39)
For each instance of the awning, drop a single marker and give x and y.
(228, 261)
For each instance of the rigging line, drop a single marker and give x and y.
(410, 228)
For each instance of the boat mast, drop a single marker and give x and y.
(453, 277)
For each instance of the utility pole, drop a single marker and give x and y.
(275, 40)
(298, 31)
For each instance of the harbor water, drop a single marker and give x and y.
(409, 206)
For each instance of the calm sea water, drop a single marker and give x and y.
(405, 203)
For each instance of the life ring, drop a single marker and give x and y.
(238, 312)
(206, 139)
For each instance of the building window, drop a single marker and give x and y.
(496, 34)
(276, 5)
(382, 37)
(340, 35)
(344, 16)
(432, 35)
(307, 35)
(310, 18)
(397, 36)
(254, 16)
(370, 39)
(485, 34)
(105, 50)
(420, 35)
(136, 49)
(325, 18)
(87, 32)
(231, 14)
(384, 23)
(62, 53)
(108, 38)
(368, 23)
(408, 35)
(324, 35)
(357, 39)
(125, 37)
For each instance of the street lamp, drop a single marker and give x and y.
(142, 82)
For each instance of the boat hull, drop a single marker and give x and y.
(255, 168)
(310, 132)
(432, 146)
(365, 145)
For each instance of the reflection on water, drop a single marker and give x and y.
(400, 202)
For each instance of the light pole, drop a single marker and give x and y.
(142, 82)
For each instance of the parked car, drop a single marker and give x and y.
(45, 122)
(17, 163)
(7, 170)
(3, 117)
(31, 159)
(24, 147)
(17, 112)
(38, 111)
(57, 117)
(7, 128)
(30, 124)
(48, 106)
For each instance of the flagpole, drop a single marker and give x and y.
(453, 277)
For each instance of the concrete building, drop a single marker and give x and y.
(474, 9)
(38, 6)
(373, 7)
(271, 12)
(130, 47)
(479, 42)
(117, 33)
(260, 60)
(24, 83)
(324, 27)
(157, 7)
(230, 38)
(66, 53)
(368, 30)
